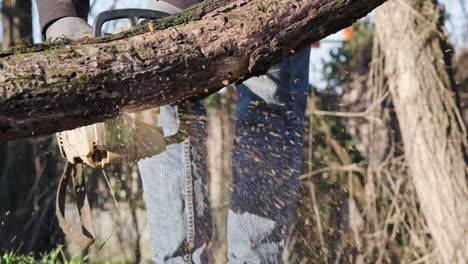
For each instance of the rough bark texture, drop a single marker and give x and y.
(417, 65)
(220, 42)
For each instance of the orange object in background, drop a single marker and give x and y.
(348, 33)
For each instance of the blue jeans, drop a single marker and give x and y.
(267, 160)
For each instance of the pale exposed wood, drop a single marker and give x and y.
(71, 86)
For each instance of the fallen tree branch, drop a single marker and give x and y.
(55, 87)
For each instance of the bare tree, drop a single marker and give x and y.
(16, 22)
(417, 59)
(221, 121)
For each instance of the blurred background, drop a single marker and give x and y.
(358, 202)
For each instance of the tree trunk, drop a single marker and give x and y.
(16, 22)
(64, 86)
(221, 130)
(417, 64)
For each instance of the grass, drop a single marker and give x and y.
(53, 257)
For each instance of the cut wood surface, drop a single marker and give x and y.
(55, 87)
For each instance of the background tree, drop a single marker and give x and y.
(16, 22)
(417, 65)
(28, 167)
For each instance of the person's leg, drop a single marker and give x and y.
(174, 188)
(267, 160)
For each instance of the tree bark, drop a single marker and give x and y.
(417, 64)
(218, 42)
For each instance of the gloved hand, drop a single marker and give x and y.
(69, 28)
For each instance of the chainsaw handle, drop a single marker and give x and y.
(132, 14)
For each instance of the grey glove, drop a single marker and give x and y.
(69, 28)
(162, 6)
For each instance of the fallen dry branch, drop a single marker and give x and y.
(214, 44)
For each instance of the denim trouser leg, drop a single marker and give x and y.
(267, 160)
(174, 188)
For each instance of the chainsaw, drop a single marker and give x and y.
(129, 137)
